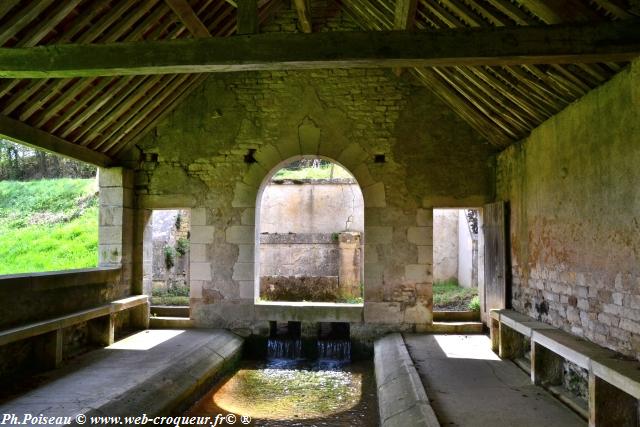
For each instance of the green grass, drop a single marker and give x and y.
(48, 225)
(174, 295)
(447, 295)
(322, 172)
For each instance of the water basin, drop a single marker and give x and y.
(282, 392)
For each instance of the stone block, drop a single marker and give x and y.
(418, 314)
(268, 156)
(247, 289)
(382, 312)
(110, 177)
(200, 271)
(254, 175)
(363, 176)
(378, 235)
(425, 255)
(111, 215)
(239, 234)
(198, 252)
(424, 217)
(202, 234)
(422, 236)
(248, 217)
(244, 196)
(371, 254)
(110, 235)
(198, 216)
(195, 289)
(352, 156)
(162, 201)
(243, 271)
(109, 254)
(374, 196)
(246, 253)
(417, 273)
(111, 196)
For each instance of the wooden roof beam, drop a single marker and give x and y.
(304, 15)
(555, 44)
(189, 18)
(17, 131)
(405, 14)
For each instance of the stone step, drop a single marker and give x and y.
(167, 322)
(453, 328)
(456, 316)
(170, 310)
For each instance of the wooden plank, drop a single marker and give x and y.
(22, 19)
(189, 18)
(17, 131)
(611, 41)
(405, 14)
(304, 15)
(495, 256)
(247, 18)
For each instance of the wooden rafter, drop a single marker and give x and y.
(189, 18)
(19, 132)
(610, 41)
(247, 18)
(304, 15)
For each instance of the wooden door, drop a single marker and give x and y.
(496, 268)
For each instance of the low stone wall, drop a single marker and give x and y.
(300, 288)
(323, 267)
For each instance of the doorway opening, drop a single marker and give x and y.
(458, 254)
(166, 261)
(310, 232)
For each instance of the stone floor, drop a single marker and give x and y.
(150, 372)
(469, 385)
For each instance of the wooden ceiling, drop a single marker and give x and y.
(99, 117)
(504, 104)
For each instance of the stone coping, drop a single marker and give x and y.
(402, 399)
(309, 312)
(60, 279)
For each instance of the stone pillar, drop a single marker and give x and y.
(547, 367)
(609, 406)
(349, 266)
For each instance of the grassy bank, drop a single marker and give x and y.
(448, 295)
(48, 225)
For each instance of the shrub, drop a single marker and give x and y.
(169, 257)
(182, 246)
(474, 304)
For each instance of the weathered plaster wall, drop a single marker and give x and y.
(311, 208)
(574, 191)
(197, 157)
(445, 244)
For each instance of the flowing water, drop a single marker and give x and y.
(286, 393)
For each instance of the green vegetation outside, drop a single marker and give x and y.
(324, 170)
(174, 295)
(448, 295)
(48, 225)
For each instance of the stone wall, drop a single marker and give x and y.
(200, 156)
(169, 228)
(445, 245)
(575, 216)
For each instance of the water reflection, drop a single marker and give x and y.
(296, 393)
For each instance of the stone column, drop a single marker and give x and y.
(350, 258)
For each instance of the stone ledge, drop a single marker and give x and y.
(309, 312)
(60, 279)
(402, 400)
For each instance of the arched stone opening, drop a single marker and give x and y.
(309, 233)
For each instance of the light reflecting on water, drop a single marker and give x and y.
(296, 393)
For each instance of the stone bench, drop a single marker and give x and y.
(614, 382)
(101, 321)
